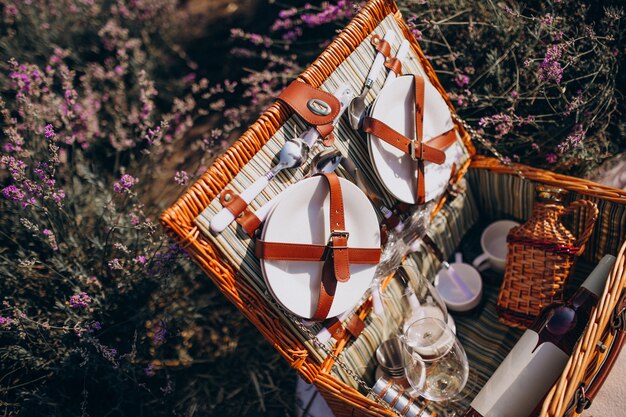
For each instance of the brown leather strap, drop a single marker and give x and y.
(355, 326)
(336, 255)
(275, 251)
(249, 222)
(394, 64)
(381, 45)
(432, 152)
(338, 242)
(231, 201)
(335, 328)
(316, 107)
(326, 131)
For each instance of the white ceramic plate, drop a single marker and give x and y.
(395, 106)
(302, 216)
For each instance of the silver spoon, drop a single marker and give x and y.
(357, 105)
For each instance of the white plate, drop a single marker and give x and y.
(302, 216)
(395, 106)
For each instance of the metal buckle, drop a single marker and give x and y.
(412, 148)
(334, 233)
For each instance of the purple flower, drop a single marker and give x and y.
(124, 183)
(5, 321)
(551, 158)
(550, 68)
(461, 80)
(81, 300)
(49, 131)
(141, 259)
(47, 232)
(574, 139)
(181, 178)
(149, 370)
(13, 193)
(160, 333)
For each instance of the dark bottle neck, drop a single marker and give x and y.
(562, 324)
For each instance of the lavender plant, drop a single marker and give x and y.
(538, 79)
(101, 313)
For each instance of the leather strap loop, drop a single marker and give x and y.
(336, 254)
(394, 64)
(249, 222)
(381, 45)
(432, 151)
(233, 202)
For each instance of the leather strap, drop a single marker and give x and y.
(433, 151)
(274, 251)
(355, 326)
(336, 254)
(394, 64)
(316, 107)
(381, 45)
(249, 222)
(231, 201)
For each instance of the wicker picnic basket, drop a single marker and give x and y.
(340, 368)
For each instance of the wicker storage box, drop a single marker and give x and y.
(486, 190)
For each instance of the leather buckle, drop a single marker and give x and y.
(413, 147)
(338, 233)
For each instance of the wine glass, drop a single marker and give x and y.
(435, 363)
(407, 297)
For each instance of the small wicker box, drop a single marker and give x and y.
(230, 264)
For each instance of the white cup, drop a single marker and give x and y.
(494, 245)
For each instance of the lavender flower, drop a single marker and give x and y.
(49, 131)
(160, 333)
(13, 193)
(5, 321)
(80, 301)
(149, 370)
(181, 178)
(461, 80)
(124, 183)
(550, 68)
(574, 140)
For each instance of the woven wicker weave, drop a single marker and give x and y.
(182, 221)
(541, 256)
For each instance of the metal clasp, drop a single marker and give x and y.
(334, 233)
(412, 147)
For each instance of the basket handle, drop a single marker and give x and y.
(592, 216)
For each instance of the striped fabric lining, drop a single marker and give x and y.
(235, 246)
(485, 340)
(508, 196)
